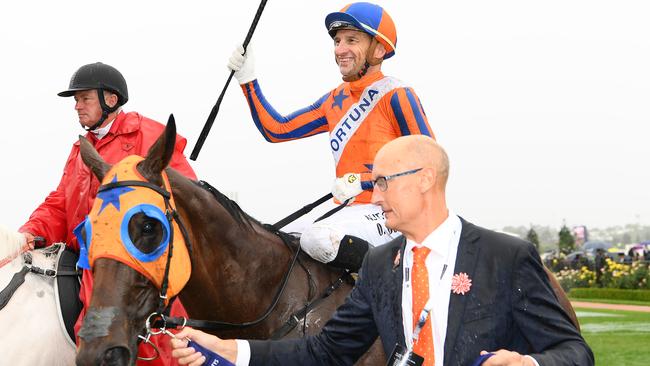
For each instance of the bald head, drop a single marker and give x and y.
(412, 194)
(413, 152)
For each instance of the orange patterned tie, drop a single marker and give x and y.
(424, 344)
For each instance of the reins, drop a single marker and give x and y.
(159, 321)
(8, 259)
(173, 322)
(221, 325)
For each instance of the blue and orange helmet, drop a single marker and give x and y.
(368, 18)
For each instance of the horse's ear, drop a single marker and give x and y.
(92, 159)
(160, 153)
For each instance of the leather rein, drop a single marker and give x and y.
(159, 321)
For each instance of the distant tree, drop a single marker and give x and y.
(519, 230)
(626, 238)
(532, 237)
(567, 242)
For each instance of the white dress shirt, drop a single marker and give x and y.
(440, 262)
(443, 242)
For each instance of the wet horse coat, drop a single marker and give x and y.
(237, 267)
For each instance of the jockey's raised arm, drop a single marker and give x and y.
(362, 114)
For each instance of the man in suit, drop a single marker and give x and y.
(490, 292)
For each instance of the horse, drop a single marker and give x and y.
(237, 268)
(238, 265)
(32, 330)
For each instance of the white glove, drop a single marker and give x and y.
(242, 64)
(347, 187)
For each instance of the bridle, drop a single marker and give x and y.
(159, 321)
(172, 215)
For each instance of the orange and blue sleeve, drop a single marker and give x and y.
(408, 113)
(275, 127)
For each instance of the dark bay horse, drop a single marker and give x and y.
(237, 266)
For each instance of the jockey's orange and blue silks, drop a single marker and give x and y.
(107, 228)
(360, 116)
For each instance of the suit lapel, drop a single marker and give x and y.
(466, 260)
(395, 282)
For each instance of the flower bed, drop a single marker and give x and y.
(612, 275)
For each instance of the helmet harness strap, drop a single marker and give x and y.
(106, 110)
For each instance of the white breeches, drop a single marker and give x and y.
(321, 239)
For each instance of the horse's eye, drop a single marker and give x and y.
(148, 228)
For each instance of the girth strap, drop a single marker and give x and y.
(295, 318)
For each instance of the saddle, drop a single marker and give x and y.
(66, 290)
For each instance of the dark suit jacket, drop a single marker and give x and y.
(510, 305)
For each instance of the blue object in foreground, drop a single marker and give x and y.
(211, 358)
(482, 358)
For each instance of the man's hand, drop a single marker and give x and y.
(29, 240)
(504, 357)
(347, 187)
(226, 348)
(242, 64)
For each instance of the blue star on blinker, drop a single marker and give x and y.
(112, 196)
(338, 99)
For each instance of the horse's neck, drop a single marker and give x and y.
(231, 260)
(11, 243)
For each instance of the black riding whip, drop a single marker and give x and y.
(215, 109)
(305, 210)
(301, 212)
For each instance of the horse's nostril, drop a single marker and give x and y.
(116, 356)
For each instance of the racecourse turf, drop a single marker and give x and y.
(617, 337)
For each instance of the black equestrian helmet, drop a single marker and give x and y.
(98, 76)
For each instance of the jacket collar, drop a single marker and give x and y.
(358, 86)
(121, 125)
(466, 260)
(391, 269)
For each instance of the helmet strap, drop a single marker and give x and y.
(106, 110)
(370, 58)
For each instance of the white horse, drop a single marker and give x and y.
(31, 332)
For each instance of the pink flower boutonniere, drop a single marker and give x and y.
(398, 257)
(460, 283)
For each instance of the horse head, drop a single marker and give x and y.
(130, 234)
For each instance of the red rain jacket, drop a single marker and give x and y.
(64, 208)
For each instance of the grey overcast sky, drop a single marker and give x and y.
(543, 106)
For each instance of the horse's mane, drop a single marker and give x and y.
(240, 217)
(10, 242)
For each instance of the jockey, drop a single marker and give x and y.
(99, 91)
(362, 114)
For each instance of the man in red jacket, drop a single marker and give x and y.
(99, 91)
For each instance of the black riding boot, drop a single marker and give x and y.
(351, 252)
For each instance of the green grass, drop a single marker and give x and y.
(612, 301)
(616, 337)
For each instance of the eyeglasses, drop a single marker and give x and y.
(382, 182)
